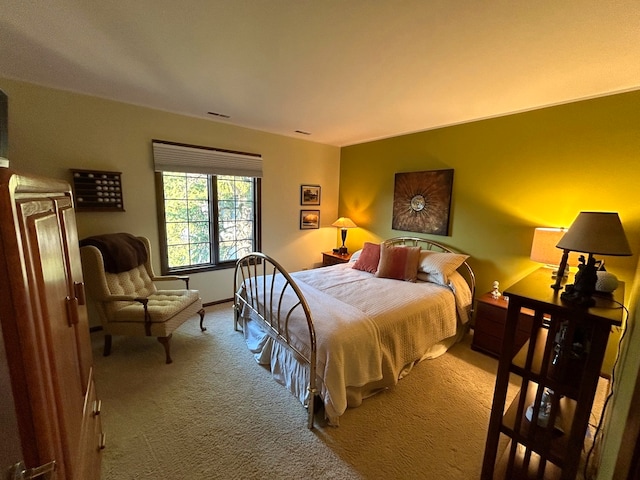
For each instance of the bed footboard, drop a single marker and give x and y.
(260, 287)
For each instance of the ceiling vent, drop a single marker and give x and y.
(221, 115)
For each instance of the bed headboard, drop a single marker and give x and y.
(465, 269)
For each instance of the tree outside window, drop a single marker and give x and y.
(209, 220)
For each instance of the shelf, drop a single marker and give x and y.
(541, 439)
(97, 191)
(520, 358)
(519, 472)
(564, 354)
(565, 377)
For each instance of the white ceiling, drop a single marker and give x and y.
(346, 71)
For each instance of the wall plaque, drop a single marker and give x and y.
(97, 191)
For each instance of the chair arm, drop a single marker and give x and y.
(130, 298)
(163, 278)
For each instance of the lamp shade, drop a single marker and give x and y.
(344, 222)
(597, 233)
(544, 250)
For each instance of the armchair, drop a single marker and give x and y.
(121, 286)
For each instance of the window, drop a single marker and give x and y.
(207, 221)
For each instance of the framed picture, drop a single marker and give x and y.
(309, 194)
(422, 201)
(309, 219)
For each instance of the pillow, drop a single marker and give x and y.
(426, 277)
(368, 259)
(398, 262)
(440, 265)
(355, 255)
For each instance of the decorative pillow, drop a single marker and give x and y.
(440, 265)
(398, 262)
(368, 259)
(355, 255)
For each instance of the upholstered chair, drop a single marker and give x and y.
(121, 286)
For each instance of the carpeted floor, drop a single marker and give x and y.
(214, 413)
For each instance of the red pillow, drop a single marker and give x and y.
(398, 262)
(369, 258)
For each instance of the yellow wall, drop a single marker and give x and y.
(512, 174)
(51, 131)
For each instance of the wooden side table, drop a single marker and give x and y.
(490, 321)
(557, 369)
(332, 258)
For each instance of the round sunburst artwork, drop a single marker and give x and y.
(422, 200)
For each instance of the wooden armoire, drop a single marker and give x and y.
(49, 411)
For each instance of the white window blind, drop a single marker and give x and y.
(171, 157)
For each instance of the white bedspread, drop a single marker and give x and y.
(369, 331)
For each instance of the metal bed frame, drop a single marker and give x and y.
(254, 279)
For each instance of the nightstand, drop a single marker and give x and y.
(332, 258)
(490, 320)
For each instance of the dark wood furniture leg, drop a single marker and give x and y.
(107, 345)
(201, 313)
(165, 343)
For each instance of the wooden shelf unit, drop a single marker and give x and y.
(564, 354)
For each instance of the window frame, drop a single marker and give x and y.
(214, 226)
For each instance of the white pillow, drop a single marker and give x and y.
(439, 265)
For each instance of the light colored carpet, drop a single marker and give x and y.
(214, 413)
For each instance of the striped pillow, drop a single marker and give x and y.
(398, 262)
(440, 265)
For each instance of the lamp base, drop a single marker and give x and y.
(579, 294)
(556, 271)
(343, 250)
(579, 299)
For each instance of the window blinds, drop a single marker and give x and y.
(173, 157)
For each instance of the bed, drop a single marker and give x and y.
(342, 333)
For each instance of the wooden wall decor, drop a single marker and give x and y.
(422, 201)
(97, 191)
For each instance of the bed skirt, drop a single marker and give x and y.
(290, 373)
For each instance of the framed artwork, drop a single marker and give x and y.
(309, 219)
(309, 194)
(422, 201)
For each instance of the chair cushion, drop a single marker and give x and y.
(132, 282)
(162, 306)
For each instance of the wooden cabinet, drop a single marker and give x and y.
(558, 367)
(47, 359)
(490, 320)
(332, 258)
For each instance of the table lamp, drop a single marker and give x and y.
(543, 250)
(343, 223)
(592, 233)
